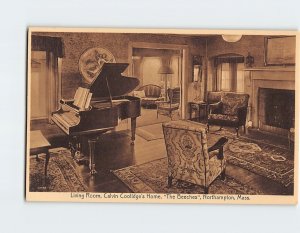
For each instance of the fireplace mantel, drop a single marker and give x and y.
(266, 77)
(273, 69)
(266, 73)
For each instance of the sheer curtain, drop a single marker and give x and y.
(54, 83)
(53, 46)
(230, 77)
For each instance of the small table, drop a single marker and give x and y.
(198, 106)
(39, 145)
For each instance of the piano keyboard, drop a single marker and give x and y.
(108, 104)
(67, 119)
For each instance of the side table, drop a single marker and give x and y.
(198, 106)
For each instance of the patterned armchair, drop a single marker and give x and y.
(230, 111)
(213, 97)
(149, 94)
(189, 157)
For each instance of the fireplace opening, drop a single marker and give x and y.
(277, 107)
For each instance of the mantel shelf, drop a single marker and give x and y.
(276, 69)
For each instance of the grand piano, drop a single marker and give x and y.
(107, 107)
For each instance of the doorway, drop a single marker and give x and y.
(147, 59)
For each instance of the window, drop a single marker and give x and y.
(230, 73)
(225, 79)
(48, 52)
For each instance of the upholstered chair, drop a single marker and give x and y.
(168, 108)
(149, 94)
(189, 158)
(231, 111)
(212, 97)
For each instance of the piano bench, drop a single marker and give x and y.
(38, 145)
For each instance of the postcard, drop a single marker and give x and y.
(162, 116)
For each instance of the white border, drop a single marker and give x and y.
(18, 216)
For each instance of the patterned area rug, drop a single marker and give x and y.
(223, 132)
(263, 159)
(152, 178)
(62, 174)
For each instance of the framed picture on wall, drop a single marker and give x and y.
(280, 50)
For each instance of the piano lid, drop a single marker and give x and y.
(110, 82)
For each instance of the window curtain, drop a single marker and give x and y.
(233, 76)
(226, 71)
(54, 50)
(53, 80)
(228, 58)
(219, 77)
(227, 77)
(47, 43)
(137, 62)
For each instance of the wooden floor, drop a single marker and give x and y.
(115, 152)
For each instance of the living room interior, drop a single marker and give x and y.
(236, 91)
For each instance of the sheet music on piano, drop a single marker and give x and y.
(82, 98)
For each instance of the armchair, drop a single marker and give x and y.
(189, 159)
(212, 98)
(168, 107)
(230, 111)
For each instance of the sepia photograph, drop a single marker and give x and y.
(161, 116)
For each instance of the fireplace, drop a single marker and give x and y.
(276, 109)
(272, 98)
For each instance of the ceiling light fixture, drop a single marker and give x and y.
(231, 38)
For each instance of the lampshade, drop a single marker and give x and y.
(231, 38)
(165, 70)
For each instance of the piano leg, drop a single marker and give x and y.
(73, 146)
(133, 127)
(92, 165)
